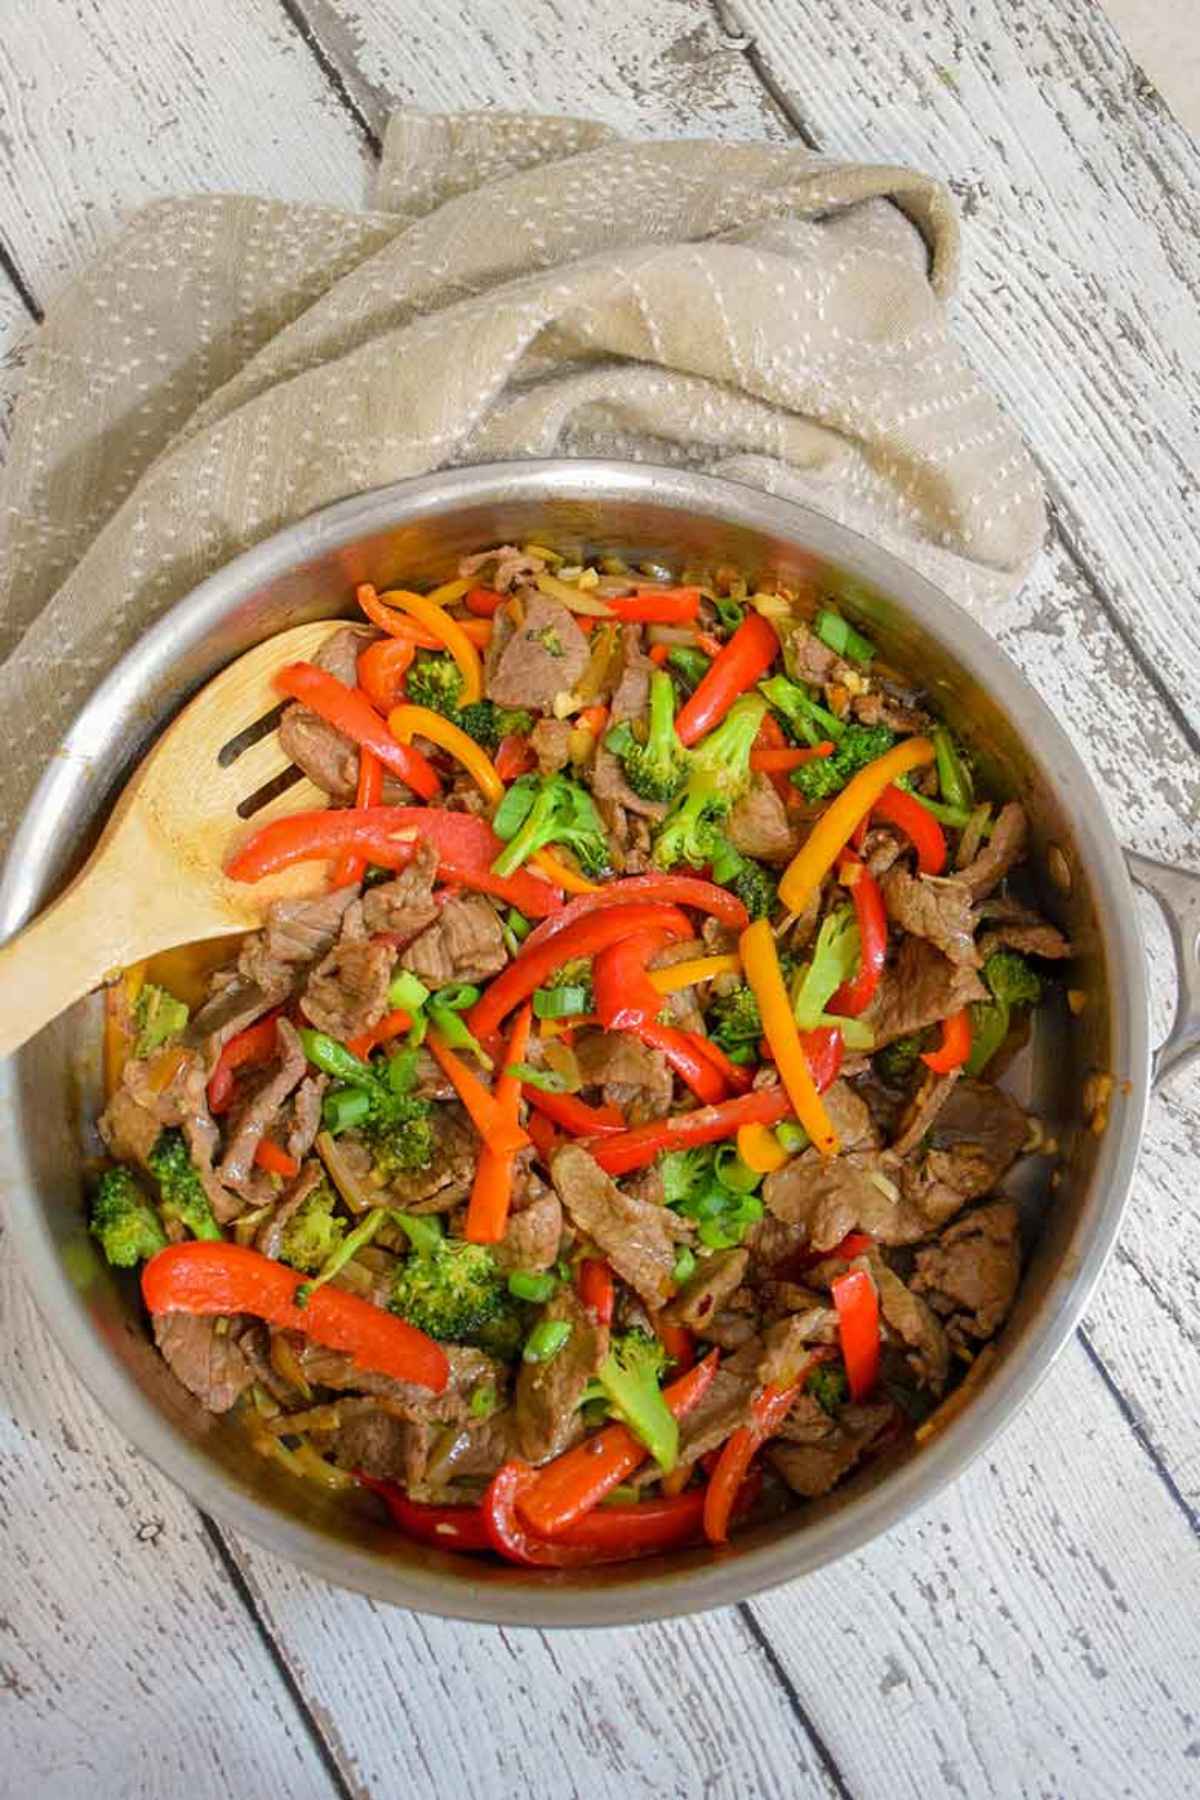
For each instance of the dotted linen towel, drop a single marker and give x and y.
(524, 287)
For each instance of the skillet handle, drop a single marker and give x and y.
(1178, 893)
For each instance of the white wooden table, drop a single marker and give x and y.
(1037, 1631)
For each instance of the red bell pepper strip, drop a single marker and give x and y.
(252, 1048)
(895, 807)
(350, 866)
(678, 1342)
(767, 1414)
(458, 1528)
(491, 1190)
(388, 836)
(955, 1046)
(209, 1278)
(575, 1115)
(626, 998)
(748, 654)
(628, 1150)
(397, 624)
(579, 1479)
(351, 713)
(823, 1051)
(669, 606)
(594, 1285)
(542, 1135)
(668, 890)
(514, 756)
(483, 602)
(735, 1075)
(537, 962)
(856, 994)
(392, 1024)
(275, 1161)
(782, 761)
(610, 1534)
(382, 668)
(857, 1305)
(688, 1062)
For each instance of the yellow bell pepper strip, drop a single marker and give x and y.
(560, 875)
(699, 968)
(438, 623)
(761, 963)
(448, 593)
(407, 722)
(760, 1149)
(837, 823)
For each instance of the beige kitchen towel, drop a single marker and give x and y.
(524, 287)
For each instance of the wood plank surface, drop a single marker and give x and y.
(1081, 300)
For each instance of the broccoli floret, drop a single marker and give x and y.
(735, 1023)
(897, 1060)
(629, 1379)
(124, 1220)
(181, 1192)
(1013, 983)
(829, 1387)
(449, 1288)
(718, 775)
(692, 1187)
(436, 682)
(806, 721)
(857, 746)
(157, 1016)
(658, 768)
(685, 1173)
(314, 1232)
(754, 886)
(398, 1132)
(549, 809)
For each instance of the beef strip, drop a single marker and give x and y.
(347, 992)
(231, 1009)
(297, 934)
(976, 1138)
(638, 1239)
(305, 1121)
(920, 987)
(532, 1238)
(927, 1102)
(938, 910)
(184, 1103)
(729, 1329)
(513, 567)
(850, 1117)
(203, 1353)
(548, 1393)
(404, 906)
(257, 1114)
(269, 1237)
(830, 1197)
(382, 1445)
(831, 1448)
(716, 1278)
(914, 1323)
(464, 943)
(805, 657)
(543, 658)
(471, 1452)
(631, 696)
(1035, 937)
(130, 1130)
(550, 741)
(610, 788)
(724, 1406)
(632, 1076)
(329, 759)
(1005, 847)
(970, 1275)
(759, 824)
(322, 1367)
(881, 848)
(787, 1345)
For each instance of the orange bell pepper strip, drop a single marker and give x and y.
(514, 756)
(955, 1046)
(206, 1277)
(275, 1161)
(558, 872)
(350, 866)
(781, 762)
(392, 1024)
(700, 968)
(760, 1149)
(491, 1190)
(396, 624)
(407, 722)
(761, 963)
(659, 654)
(382, 667)
(349, 710)
(485, 603)
(479, 631)
(496, 1126)
(857, 1305)
(836, 825)
(447, 632)
(573, 1483)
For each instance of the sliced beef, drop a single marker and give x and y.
(472, 1452)
(805, 657)
(914, 1323)
(610, 788)
(631, 697)
(322, 1367)
(881, 848)
(404, 906)
(548, 1393)
(1005, 847)
(231, 1009)
(850, 1117)
(882, 708)
(512, 567)
(184, 1103)
(935, 909)
(328, 759)
(919, 1115)
(970, 1275)
(724, 1406)
(550, 741)
(297, 934)
(759, 825)
(682, 1008)
(976, 1138)
(638, 1239)
(448, 1178)
(787, 1345)
(827, 1198)
(464, 943)
(203, 1354)
(543, 658)
(257, 1114)
(920, 987)
(1036, 937)
(632, 1076)
(305, 1120)
(532, 1238)
(130, 1130)
(347, 991)
(716, 1278)
(382, 1445)
(831, 1448)
(269, 1237)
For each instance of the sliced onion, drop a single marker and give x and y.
(571, 597)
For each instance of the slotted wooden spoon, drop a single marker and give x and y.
(156, 878)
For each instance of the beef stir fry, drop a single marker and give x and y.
(610, 1153)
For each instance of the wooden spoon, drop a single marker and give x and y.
(156, 878)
